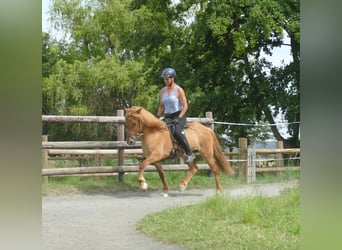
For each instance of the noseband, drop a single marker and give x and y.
(137, 129)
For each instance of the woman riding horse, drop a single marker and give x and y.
(172, 101)
(157, 145)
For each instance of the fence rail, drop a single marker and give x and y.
(53, 150)
(89, 145)
(109, 119)
(91, 151)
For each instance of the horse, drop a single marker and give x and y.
(157, 144)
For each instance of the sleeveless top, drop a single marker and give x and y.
(171, 102)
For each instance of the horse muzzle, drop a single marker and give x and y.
(131, 139)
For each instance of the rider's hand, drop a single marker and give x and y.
(175, 121)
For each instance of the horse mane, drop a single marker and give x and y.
(146, 117)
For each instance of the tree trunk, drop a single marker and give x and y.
(291, 142)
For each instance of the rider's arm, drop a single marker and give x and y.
(182, 99)
(161, 106)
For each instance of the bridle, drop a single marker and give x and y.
(138, 132)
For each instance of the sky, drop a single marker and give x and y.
(46, 25)
(45, 8)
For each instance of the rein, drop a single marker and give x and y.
(137, 128)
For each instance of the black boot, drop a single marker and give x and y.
(181, 139)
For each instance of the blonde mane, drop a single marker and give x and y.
(146, 117)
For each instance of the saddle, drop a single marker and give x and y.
(171, 127)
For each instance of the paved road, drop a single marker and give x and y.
(109, 221)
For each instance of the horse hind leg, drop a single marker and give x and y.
(215, 170)
(187, 178)
(218, 182)
(216, 173)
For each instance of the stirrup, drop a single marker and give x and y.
(189, 158)
(174, 152)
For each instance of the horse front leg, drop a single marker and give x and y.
(163, 179)
(142, 183)
(151, 159)
(191, 173)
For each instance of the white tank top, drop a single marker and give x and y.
(171, 102)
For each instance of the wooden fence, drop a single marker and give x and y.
(53, 150)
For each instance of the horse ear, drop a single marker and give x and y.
(125, 104)
(136, 109)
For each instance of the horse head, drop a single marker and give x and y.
(133, 124)
(138, 120)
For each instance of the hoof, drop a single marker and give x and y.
(144, 186)
(165, 195)
(182, 188)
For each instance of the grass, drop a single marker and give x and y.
(221, 222)
(110, 184)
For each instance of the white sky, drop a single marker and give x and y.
(45, 22)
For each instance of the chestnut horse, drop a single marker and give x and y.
(157, 145)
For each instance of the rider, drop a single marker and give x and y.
(173, 103)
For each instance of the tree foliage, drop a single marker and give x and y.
(115, 50)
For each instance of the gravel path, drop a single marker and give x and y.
(109, 221)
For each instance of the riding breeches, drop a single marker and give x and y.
(179, 133)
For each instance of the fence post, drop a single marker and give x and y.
(209, 114)
(97, 159)
(45, 158)
(251, 163)
(279, 156)
(121, 152)
(243, 173)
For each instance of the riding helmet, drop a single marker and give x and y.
(168, 72)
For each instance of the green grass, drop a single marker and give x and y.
(221, 222)
(84, 185)
(110, 184)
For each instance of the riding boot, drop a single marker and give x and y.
(181, 139)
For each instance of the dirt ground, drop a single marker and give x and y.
(109, 221)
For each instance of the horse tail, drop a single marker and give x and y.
(220, 158)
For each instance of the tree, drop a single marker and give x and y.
(224, 63)
(94, 76)
(117, 48)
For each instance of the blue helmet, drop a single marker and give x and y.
(168, 72)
